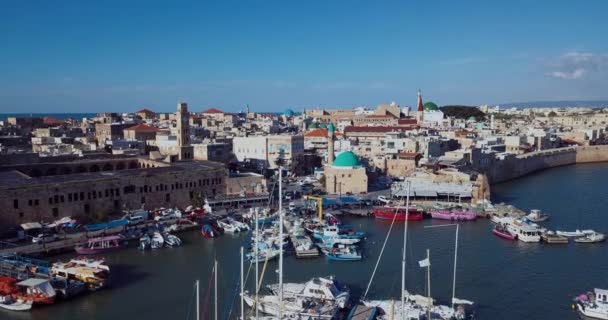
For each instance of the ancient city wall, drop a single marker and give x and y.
(515, 167)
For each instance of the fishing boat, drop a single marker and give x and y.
(454, 215)
(67, 288)
(333, 234)
(593, 305)
(344, 253)
(574, 234)
(319, 288)
(107, 225)
(145, 242)
(537, 216)
(390, 213)
(8, 302)
(101, 245)
(502, 231)
(97, 263)
(36, 291)
(94, 278)
(594, 237)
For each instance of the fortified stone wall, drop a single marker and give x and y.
(515, 167)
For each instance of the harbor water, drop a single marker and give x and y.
(507, 280)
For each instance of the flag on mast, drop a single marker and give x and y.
(424, 263)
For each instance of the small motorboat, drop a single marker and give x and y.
(537, 216)
(591, 238)
(157, 241)
(227, 226)
(172, 240)
(503, 232)
(592, 305)
(574, 234)
(9, 303)
(344, 253)
(208, 231)
(145, 242)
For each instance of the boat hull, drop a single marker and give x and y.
(17, 306)
(454, 216)
(88, 251)
(390, 214)
(504, 235)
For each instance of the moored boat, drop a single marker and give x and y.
(594, 237)
(8, 302)
(390, 213)
(101, 245)
(502, 231)
(344, 253)
(537, 216)
(36, 291)
(575, 234)
(593, 305)
(525, 232)
(454, 215)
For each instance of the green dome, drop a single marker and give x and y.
(346, 159)
(430, 106)
(289, 113)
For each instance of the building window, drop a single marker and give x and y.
(62, 199)
(128, 189)
(191, 194)
(167, 197)
(50, 200)
(81, 196)
(107, 193)
(55, 212)
(116, 205)
(16, 204)
(21, 214)
(29, 202)
(87, 208)
(143, 200)
(117, 192)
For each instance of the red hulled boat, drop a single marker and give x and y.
(388, 213)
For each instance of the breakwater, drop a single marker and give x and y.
(514, 166)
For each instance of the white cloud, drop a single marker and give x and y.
(577, 65)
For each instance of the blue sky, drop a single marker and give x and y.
(90, 56)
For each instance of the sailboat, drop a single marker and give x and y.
(406, 309)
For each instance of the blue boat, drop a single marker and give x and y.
(344, 253)
(107, 225)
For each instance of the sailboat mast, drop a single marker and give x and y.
(215, 287)
(455, 261)
(428, 276)
(256, 250)
(280, 242)
(242, 285)
(198, 304)
(407, 215)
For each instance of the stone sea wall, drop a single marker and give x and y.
(517, 166)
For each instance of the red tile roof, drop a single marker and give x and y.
(409, 155)
(407, 121)
(146, 111)
(50, 121)
(376, 129)
(142, 128)
(319, 133)
(213, 111)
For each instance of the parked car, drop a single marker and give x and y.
(44, 238)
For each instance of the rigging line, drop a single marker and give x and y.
(381, 251)
(207, 294)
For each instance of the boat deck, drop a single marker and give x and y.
(360, 312)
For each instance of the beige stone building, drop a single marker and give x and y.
(99, 188)
(345, 175)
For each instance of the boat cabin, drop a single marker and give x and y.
(601, 295)
(321, 289)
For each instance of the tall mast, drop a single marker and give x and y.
(215, 287)
(428, 275)
(257, 273)
(407, 215)
(455, 260)
(280, 242)
(198, 304)
(242, 285)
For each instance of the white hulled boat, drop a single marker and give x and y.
(593, 305)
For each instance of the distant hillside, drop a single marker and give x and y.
(556, 104)
(463, 112)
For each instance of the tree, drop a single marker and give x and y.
(552, 114)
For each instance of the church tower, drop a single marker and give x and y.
(420, 113)
(330, 143)
(182, 117)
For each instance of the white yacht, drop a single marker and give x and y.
(316, 288)
(594, 304)
(526, 232)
